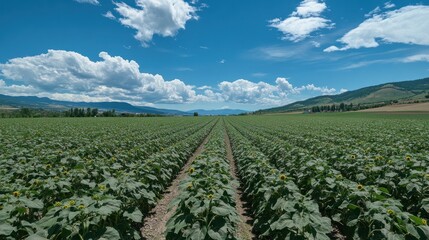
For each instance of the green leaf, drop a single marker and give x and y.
(110, 234)
(352, 206)
(220, 211)
(35, 237)
(214, 235)
(72, 215)
(197, 232)
(416, 220)
(282, 224)
(6, 229)
(412, 230)
(36, 203)
(109, 208)
(352, 223)
(135, 216)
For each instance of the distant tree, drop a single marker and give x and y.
(195, 114)
(333, 108)
(75, 112)
(88, 112)
(109, 113)
(94, 112)
(25, 112)
(342, 107)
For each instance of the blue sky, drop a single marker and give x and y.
(208, 53)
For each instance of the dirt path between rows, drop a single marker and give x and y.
(154, 224)
(244, 227)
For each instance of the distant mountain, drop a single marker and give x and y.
(204, 112)
(49, 104)
(401, 91)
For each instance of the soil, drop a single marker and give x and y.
(414, 107)
(244, 228)
(154, 225)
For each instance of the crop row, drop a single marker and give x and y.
(206, 204)
(279, 210)
(360, 211)
(90, 191)
(405, 177)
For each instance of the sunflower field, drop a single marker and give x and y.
(315, 176)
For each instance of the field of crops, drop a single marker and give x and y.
(323, 176)
(89, 178)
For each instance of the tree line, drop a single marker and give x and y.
(72, 112)
(80, 112)
(343, 107)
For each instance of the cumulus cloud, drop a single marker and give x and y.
(302, 22)
(204, 87)
(310, 8)
(245, 91)
(93, 2)
(15, 90)
(69, 74)
(323, 90)
(155, 17)
(407, 25)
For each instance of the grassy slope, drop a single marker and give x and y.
(408, 90)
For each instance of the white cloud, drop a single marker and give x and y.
(222, 61)
(279, 53)
(343, 90)
(373, 12)
(323, 90)
(309, 8)
(93, 2)
(15, 90)
(156, 17)
(408, 25)
(284, 86)
(388, 5)
(204, 87)
(315, 44)
(109, 15)
(68, 74)
(302, 22)
(417, 58)
(369, 62)
(245, 91)
(331, 49)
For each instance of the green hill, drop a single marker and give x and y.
(380, 94)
